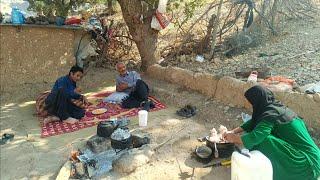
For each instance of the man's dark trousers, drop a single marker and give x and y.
(136, 97)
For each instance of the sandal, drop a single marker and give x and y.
(187, 111)
(5, 138)
(147, 105)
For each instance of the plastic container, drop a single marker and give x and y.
(143, 118)
(16, 16)
(258, 166)
(253, 77)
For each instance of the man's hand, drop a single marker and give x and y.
(78, 90)
(85, 100)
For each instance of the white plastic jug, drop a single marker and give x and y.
(257, 167)
(143, 118)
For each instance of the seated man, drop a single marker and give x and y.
(130, 82)
(65, 103)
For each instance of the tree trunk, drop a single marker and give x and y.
(110, 7)
(215, 29)
(274, 13)
(206, 40)
(138, 19)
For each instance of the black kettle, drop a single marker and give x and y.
(106, 128)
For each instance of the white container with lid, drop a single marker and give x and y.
(143, 118)
(257, 167)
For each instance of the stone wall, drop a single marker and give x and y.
(35, 54)
(230, 91)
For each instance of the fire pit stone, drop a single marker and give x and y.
(98, 144)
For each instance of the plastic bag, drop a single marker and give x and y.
(314, 88)
(17, 16)
(160, 21)
(245, 117)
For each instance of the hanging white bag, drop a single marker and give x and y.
(160, 20)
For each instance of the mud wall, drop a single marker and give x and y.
(230, 91)
(30, 55)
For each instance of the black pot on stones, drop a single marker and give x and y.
(121, 144)
(138, 141)
(105, 129)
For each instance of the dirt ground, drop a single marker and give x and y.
(30, 157)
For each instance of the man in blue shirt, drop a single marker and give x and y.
(131, 83)
(59, 102)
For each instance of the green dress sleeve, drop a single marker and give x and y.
(247, 126)
(258, 134)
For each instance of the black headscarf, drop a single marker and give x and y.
(266, 107)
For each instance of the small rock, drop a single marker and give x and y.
(65, 171)
(34, 173)
(226, 108)
(90, 171)
(133, 159)
(183, 58)
(250, 66)
(199, 69)
(239, 117)
(310, 96)
(316, 97)
(31, 138)
(217, 61)
(80, 170)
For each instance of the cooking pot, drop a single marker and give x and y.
(121, 144)
(106, 128)
(225, 149)
(121, 139)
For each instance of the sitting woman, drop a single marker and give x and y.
(280, 135)
(65, 103)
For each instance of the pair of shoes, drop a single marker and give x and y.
(187, 111)
(5, 138)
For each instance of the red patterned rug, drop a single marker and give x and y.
(56, 128)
